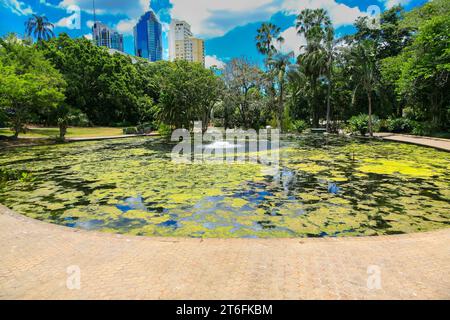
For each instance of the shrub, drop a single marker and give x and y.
(299, 125)
(400, 125)
(383, 125)
(165, 130)
(130, 130)
(360, 124)
(218, 122)
(81, 120)
(145, 128)
(424, 128)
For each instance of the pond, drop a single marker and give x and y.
(326, 186)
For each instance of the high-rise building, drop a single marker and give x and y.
(103, 36)
(117, 41)
(182, 44)
(148, 37)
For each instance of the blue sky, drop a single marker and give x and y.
(228, 26)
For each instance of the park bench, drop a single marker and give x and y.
(318, 130)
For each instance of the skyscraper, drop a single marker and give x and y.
(117, 41)
(101, 34)
(182, 44)
(105, 37)
(148, 37)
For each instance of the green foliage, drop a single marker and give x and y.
(188, 92)
(165, 130)
(130, 130)
(39, 27)
(244, 101)
(300, 126)
(360, 124)
(315, 25)
(15, 175)
(107, 88)
(267, 36)
(143, 128)
(29, 85)
(400, 125)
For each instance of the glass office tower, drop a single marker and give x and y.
(148, 37)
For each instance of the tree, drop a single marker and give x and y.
(422, 71)
(29, 83)
(280, 64)
(39, 27)
(243, 82)
(268, 35)
(364, 71)
(188, 93)
(315, 25)
(330, 53)
(108, 88)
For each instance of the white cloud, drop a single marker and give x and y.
(390, 3)
(340, 13)
(126, 26)
(17, 7)
(131, 8)
(88, 36)
(211, 61)
(212, 18)
(71, 22)
(90, 23)
(292, 41)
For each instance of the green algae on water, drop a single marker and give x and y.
(324, 186)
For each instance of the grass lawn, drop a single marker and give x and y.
(71, 132)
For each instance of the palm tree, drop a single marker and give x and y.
(39, 27)
(364, 72)
(280, 66)
(316, 26)
(330, 52)
(313, 23)
(267, 35)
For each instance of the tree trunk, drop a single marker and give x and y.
(17, 128)
(62, 132)
(329, 107)
(315, 106)
(280, 108)
(369, 98)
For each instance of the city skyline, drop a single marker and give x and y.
(228, 27)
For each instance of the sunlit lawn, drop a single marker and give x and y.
(71, 132)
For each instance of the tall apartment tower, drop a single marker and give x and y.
(148, 37)
(182, 44)
(103, 36)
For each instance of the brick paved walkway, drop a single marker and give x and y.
(35, 257)
(443, 144)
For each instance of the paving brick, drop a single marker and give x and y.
(35, 257)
